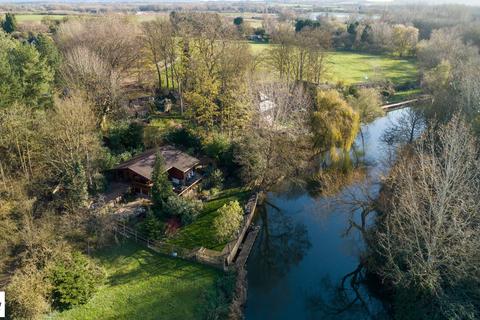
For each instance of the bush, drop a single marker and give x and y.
(185, 209)
(219, 147)
(184, 137)
(27, 294)
(74, 280)
(153, 136)
(215, 146)
(152, 226)
(125, 137)
(228, 221)
(216, 301)
(214, 180)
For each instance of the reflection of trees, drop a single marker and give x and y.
(348, 299)
(282, 245)
(331, 181)
(405, 129)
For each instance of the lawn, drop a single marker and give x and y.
(143, 284)
(352, 67)
(200, 232)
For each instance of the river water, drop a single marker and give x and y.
(303, 253)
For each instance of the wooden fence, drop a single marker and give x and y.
(201, 255)
(220, 260)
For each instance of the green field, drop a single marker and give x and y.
(200, 232)
(360, 67)
(38, 17)
(352, 67)
(143, 284)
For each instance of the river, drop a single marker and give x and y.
(303, 253)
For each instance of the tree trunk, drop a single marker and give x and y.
(159, 74)
(166, 73)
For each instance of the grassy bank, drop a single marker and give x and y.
(201, 233)
(143, 284)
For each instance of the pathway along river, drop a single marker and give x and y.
(298, 263)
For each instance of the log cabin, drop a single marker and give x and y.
(180, 166)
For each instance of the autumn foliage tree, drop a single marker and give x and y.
(334, 124)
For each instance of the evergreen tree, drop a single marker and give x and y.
(49, 53)
(24, 77)
(9, 25)
(162, 187)
(238, 21)
(152, 226)
(74, 281)
(76, 187)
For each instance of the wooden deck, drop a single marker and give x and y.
(402, 104)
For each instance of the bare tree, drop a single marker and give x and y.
(428, 234)
(113, 38)
(98, 53)
(299, 56)
(160, 44)
(275, 145)
(84, 70)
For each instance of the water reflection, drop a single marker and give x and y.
(304, 252)
(282, 245)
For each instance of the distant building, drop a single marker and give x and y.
(180, 166)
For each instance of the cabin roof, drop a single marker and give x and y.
(143, 163)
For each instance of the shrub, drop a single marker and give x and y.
(74, 280)
(216, 301)
(215, 146)
(125, 137)
(152, 226)
(228, 221)
(214, 180)
(27, 294)
(185, 209)
(153, 136)
(219, 147)
(184, 137)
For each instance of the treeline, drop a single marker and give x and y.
(51, 160)
(366, 35)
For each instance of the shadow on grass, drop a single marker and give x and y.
(130, 262)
